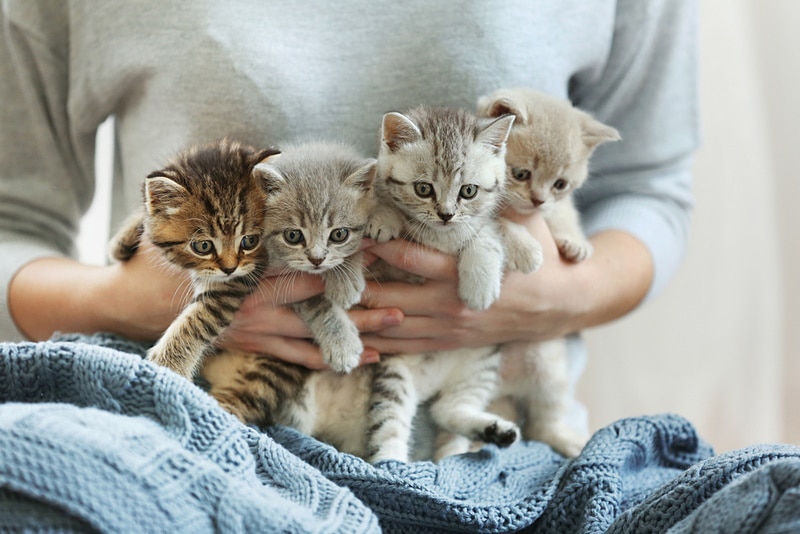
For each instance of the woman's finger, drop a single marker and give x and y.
(417, 259)
(428, 299)
(376, 320)
(286, 289)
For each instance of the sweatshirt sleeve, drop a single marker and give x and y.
(648, 91)
(43, 188)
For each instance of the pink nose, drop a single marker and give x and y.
(536, 202)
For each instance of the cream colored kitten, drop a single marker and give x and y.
(547, 158)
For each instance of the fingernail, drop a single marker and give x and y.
(392, 318)
(370, 356)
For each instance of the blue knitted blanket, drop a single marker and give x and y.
(94, 438)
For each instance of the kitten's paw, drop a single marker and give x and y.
(345, 354)
(479, 295)
(388, 455)
(163, 357)
(455, 445)
(562, 439)
(501, 432)
(525, 256)
(384, 228)
(574, 250)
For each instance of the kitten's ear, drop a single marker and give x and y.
(398, 130)
(497, 106)
(269, 175)
(160, 191)
(363, 177)
(496, 133)
(596, 133)
(265, 156)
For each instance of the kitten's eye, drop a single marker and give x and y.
(293, 237)
(520, 174)
(560, 184)
(249, 242)
(203, 248)
(468, 191)
(423, 189)
(340, 235)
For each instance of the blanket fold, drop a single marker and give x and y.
(94, 438)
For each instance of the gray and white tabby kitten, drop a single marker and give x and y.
(319, 202)
(320, 199)
(204, 211)
(548, 154)
(440, 182)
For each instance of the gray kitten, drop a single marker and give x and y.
(440, 182)
(318, 204)
(319, 201)
(548, 154)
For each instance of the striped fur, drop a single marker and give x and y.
(459, 160)
(316, 190)
(320, 191)
(207, 196)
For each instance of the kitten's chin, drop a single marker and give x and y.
(218, 276)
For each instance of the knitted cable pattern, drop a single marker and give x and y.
(94, 438)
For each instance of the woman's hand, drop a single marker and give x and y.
(559, 298)
(265, 324)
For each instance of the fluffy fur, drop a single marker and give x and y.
(440, 182)
(547, 157)
(204, 211)
(320, 198)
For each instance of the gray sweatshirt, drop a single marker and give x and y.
(173, 72)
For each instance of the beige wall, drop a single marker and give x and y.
(719, 346)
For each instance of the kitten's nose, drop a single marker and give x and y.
(445, 216)
(227, 270)
(536, 202)
(316, 261)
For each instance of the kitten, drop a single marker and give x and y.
(369, 411)
(204, 211)
(440, 182)
(320, 198)
(547, 156)
(319, 202)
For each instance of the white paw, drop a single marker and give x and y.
(344, 354)
(573, 250)
(562, 439)
(525, 256)
(479, 294)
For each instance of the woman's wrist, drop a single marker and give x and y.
(613, 281)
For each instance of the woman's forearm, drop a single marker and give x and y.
(137, 300)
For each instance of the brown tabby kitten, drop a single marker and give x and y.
(205, 212)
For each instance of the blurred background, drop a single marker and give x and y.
(719, 346)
